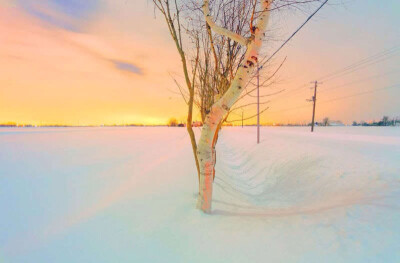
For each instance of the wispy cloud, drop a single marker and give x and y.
(125, 66)
(66, 14)
(76, 8)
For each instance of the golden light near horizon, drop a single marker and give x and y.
(94, 63)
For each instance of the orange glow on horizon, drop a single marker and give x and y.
(113, 71)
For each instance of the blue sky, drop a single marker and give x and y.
(77, 10)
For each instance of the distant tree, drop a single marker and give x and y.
(8, 124)
(385, 120)
(355, 123)
(325, 122)
(172, 122)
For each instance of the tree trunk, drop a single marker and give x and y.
(205, 154)
(205, 147)
(191, 133)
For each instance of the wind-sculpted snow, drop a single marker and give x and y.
(300, 176)
(129, 195)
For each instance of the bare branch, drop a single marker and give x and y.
(249, 104)
(248, 118)
(220, 30)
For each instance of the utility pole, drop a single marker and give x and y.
(258, 104)
(314, 100)
(242, 118)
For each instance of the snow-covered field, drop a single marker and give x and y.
(128, 195)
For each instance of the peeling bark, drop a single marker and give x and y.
(205, 147)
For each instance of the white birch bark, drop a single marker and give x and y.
(205, 149)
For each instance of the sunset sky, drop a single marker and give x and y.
(110, 61)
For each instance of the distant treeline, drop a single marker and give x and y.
(385, 121)
(14, 125)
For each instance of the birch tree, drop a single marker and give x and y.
(206, 146)
(244, 36)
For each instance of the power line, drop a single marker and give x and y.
(371, 60)
(290, 109)
(339, 98)
(265, 60)
(291, 36)
(362, 93)
(363, 61)
(358, 81)
(359, 68)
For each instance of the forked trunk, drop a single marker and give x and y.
(205, 147)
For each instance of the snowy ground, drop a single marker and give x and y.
(128, 195)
